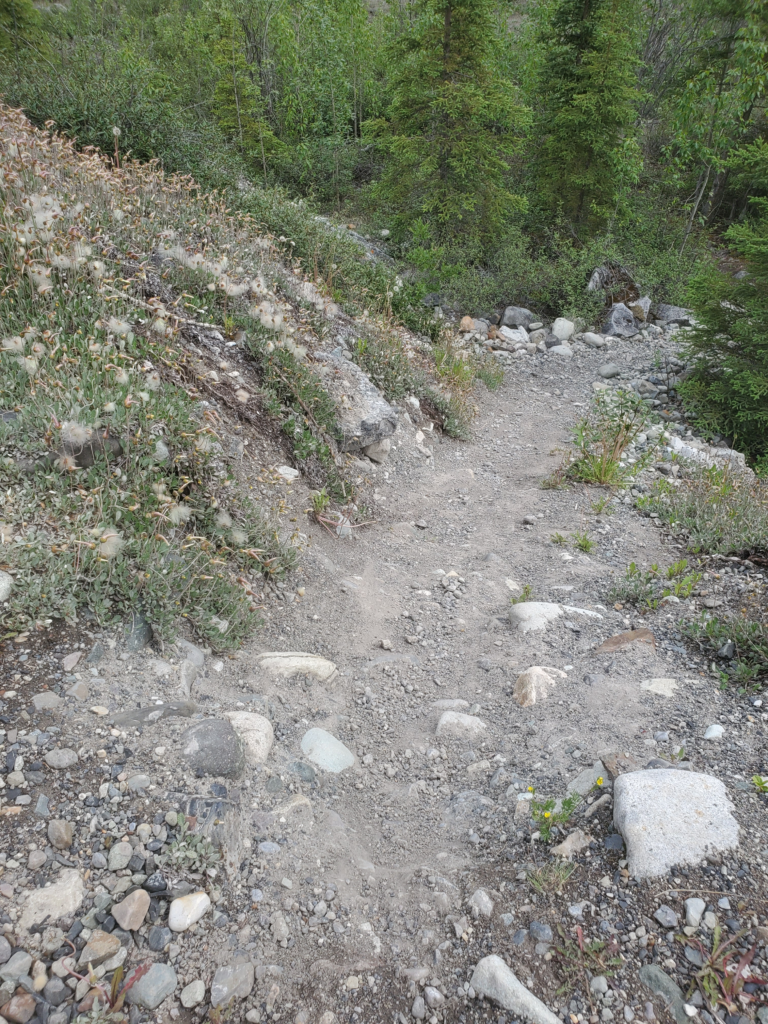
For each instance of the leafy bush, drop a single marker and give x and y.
(601, 438)
(727, 388)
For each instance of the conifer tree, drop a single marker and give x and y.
(453, 123)
(586, 137)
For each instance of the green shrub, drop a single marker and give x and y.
(727, 389)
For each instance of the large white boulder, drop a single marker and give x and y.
(669, 817)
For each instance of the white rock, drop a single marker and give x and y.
(494, 980)
(287, 473)
(6, 582)
(671, 817)
(256, 732)
(451, 704)
(563, 329)
(593, 340)
(714, 732)
(187, 910)
(694, 911)
(481, 902)
(193, 994)
(457, 726)
(573, 844)
(535, 683)
(565, 351)
(61, 899)
(528, 615)
(661, 687)
(324, 750)
(284, 664)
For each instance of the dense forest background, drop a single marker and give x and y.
(507, 146)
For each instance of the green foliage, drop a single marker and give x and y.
(583, 542)
(550, 812)
(20, 28)
(647, 589)
(750, 639)
(719, 512)
(526, 594)
(452, 126)
(190, 851)
(587, 150)
(601, 438)
(728, 385)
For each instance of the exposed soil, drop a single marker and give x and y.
(397, 844)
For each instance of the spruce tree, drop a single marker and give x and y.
(453, 123)
(586, 136)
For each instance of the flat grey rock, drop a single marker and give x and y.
(494, 980)
(156, 985)
(45, 906)
(669, 817)
(155, 712)
(324, 750)
(61, 758)
(46, 701)
(234, 981)
(213, 747)
(662, 985)
(363, 415)
(6, 585)
(609, 370)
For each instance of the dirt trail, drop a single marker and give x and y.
(420, 855)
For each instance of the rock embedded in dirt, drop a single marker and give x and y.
(192, 994)
(572, 844)
(256, 733)
(535, 683)
(156, 985)
(234, 981)
(119, 856)
(6, 585)
(694, 911)
(61, 758)
(493, 979)
(530, 615)
(593, 340)
(379, 450)
(16, 967)
(284, 664)
(60, 834)
(156, 712)
(187, 910)
(213, 747)
(586, 780)
(609, 370)
(565, 351)
(130, 913)
(46, 905)
(457, 726)
(100, 946)
(666, 917)
(46, 701)
(363, 416)
(481, 903)
(662, 985)
(669, 817)
(714, 732)
(324, 750)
